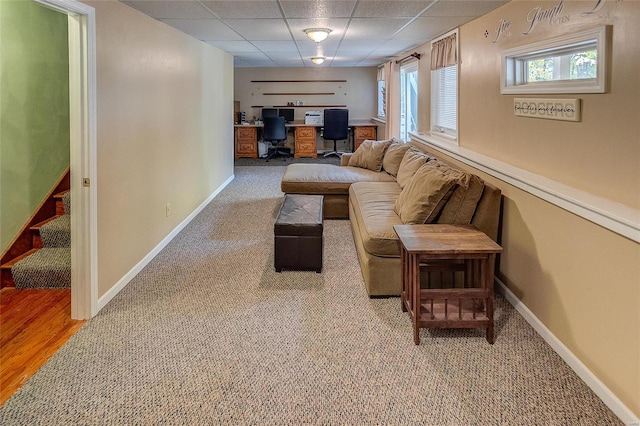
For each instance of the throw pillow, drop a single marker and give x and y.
(393, 157)
(461, 206)
(411, 162)
(423, 198)
(369, 155)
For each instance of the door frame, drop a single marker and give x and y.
(83, 119)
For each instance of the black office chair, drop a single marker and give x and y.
(275, 132)
(336, 127)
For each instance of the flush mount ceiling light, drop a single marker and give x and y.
(318, 59)
(317, 34)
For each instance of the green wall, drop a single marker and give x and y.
(34, 109)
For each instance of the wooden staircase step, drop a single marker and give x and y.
(35, 231)
(59, 203)
(6, 278)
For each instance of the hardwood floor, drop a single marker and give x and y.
(34, 324)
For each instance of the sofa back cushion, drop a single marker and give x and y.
(393, 157)
(430, 188)
(369, 155)
(462, 204)
(412, 160)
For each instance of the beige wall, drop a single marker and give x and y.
(580, 279)
(356, 93)
(165, 133)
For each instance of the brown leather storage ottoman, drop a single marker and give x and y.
(298, 233)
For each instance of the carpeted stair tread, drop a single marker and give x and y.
(57, 233)
(66, 200)
(46, 268)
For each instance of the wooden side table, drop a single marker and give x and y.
(467, 307)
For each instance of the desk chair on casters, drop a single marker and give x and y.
(275, 132)
(336, 127)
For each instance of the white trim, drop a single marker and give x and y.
(512, 79)
(616, 217)
(599, 388)
(83, 118)
(113, 291)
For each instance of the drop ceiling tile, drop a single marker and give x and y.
(357, 46)
(289, 63)
(260, 29)
(266, 63)
(239, 63)
(470, 8)
(393, 47)
(309, 46)
(384, 9)
(203, 29)
(284, 56)
(275, 46)
(244, 9)
(170, 9)
(368, 28)
(318, 8)
(427, 29)
(372, 62)
(235, 46)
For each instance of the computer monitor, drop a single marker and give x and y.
(287, 113)
(269, 112)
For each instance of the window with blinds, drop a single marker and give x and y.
(444, 86)
(444, 100)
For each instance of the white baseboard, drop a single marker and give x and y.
(599, 388)
(111, 293)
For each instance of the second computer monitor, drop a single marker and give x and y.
(287, 113)
(269, 112)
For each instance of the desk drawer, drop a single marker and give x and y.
(362, 133)
(246, 133)
(306, 147)
(306, 133)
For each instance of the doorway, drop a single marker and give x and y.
(82, 107)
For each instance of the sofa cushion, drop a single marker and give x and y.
(461, 206)
(326, 178)
(393, 157)
(373, 207)
(412, 160)
(369, 155)
(423, 198)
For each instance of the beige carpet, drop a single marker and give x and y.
(208, 333)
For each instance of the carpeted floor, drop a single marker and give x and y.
(209, 333)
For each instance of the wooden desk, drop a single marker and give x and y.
(246, 137)
(468, 307)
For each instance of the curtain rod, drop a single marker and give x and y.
(413, 55)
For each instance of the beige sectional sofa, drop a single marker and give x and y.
(386, 183)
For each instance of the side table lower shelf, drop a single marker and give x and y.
(453, 308)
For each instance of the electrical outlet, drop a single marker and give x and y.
(168, 209)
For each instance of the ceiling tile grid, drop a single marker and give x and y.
(270, 33)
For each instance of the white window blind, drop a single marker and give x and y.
(445, 99)
(444, 86)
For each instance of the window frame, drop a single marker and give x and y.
(382, 107)
(408, 68)
(513, 64)
(449, 135)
